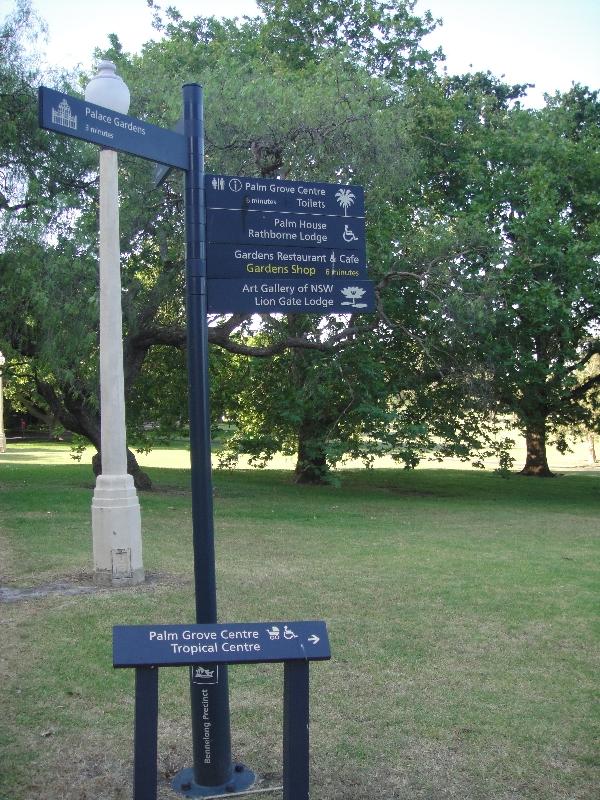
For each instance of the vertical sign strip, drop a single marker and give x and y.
(211, 738)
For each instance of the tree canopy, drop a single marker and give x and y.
(482, 233)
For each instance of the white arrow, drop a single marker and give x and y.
(314, 639)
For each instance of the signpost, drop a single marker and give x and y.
(212, 774)
(233, 643)
(230, 260)
(285, 247)
(298, 197)
(271, 227)
(275, 247)
(207, 648)
(285, 296)
(71, 116)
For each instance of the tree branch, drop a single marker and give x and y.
(580, 391)
(593, 349)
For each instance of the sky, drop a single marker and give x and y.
(551, 43)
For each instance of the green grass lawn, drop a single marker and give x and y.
(462, 611)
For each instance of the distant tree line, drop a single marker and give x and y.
(483, 239)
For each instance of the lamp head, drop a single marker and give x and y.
(108, 89)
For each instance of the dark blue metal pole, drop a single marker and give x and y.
(213, 771)
(296, 758)
(145, 733)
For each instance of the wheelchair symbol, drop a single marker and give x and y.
(349, 235)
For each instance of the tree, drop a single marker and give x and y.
(303, 125)
(329, 118)
(451, 231)
(41, 180)
(305, 403)
(383, 37)
(528, 302)
(548, 310)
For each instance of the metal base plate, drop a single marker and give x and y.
(241, 778)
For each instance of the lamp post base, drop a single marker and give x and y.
(105, 578)
(117, 532)
(241, 778)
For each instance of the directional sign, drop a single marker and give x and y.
(285, 296)
(281, 247)
(230, 643)
(299, 197)
(226, 260)
(74, 117)
(304, 230)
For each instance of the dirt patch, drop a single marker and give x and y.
(12, 595)
(78, 585)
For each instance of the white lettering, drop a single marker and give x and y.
(280, 188)
(268, 234)
(164, 636)
(242, 647)
(286, 223)
(225, 634)
(193, 649)
(130, 126)
(98, 115)
(316, 191)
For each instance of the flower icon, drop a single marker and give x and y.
(353, 293)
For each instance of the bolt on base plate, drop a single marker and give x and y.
(241, 778)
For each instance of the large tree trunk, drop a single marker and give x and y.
(311, 465)
(79, 416)
(536, 463)
(592, 448)
(141, 480)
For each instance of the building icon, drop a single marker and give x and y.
(63, 116)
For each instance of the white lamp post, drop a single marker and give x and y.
(116, 519)
(2, 435)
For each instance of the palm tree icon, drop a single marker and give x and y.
(345, 198)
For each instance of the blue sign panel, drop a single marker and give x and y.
(291, 230)
(234, 643)
(298, 197)
(248, 261)
(290, 296)
(74, 117)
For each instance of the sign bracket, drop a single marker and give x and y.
(295, 644)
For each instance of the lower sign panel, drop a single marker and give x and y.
(281, 296)
(205, 646)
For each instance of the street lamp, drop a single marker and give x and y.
(116, 519)
(2, 436)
